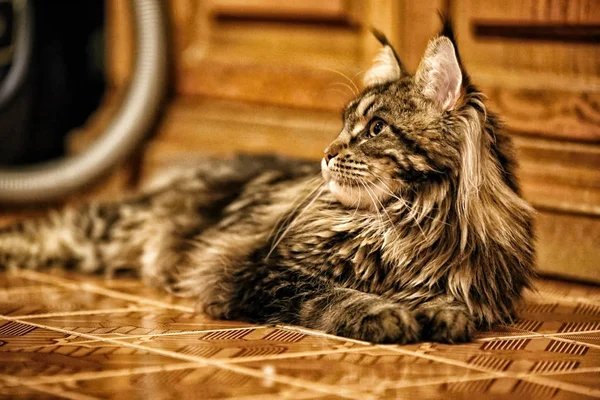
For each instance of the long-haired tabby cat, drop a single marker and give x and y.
(414, 230)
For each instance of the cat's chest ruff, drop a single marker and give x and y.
(347, 247)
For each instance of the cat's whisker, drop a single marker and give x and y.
(381, 205)
(403, 202)
(357, 202)
(280, 238)
(362, 71)
(343, 84)
(357, 91)
(288, 214)
(380, 217)
(335, 90)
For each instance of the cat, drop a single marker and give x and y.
(413, 229)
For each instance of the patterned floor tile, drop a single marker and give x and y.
(551, 317)
(591, 338)
(42, 299)
(246, 343)
(147, 344)
(197, 383)
(520, 355)
(125, 285)
(373, 370)
(587, 379)
(24, 392)
(490, 388)
(27, 351)
(137, 288)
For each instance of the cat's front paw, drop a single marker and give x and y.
(446, 325)
(389, 324)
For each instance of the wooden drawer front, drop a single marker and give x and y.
(267, 51)
(538, 60)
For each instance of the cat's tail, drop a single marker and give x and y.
(101, 238)
(71, 238)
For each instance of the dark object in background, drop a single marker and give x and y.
(64, 80)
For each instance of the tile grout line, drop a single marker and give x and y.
(291, 356)
(566, 340)
(327, 389)
(85, 312)
(313, 332)
(90, 287)
(533, 335)
(119, 336)
(559, 337)
(583, 370)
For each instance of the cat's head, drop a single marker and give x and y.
(403, 131)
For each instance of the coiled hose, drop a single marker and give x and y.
(24, 43)
(129, 126)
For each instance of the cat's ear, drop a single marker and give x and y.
(439, 74)
(386, 67)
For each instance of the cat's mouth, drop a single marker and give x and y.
(351, 191)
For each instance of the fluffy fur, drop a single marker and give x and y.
(414, 230)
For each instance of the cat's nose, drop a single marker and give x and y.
(330, 154)
(333, 150)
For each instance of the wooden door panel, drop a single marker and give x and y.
(326, 10)
(539, 61)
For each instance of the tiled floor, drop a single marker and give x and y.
(69, 336)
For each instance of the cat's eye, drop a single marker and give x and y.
(376, 126)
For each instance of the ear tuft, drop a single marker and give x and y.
(386, 65)
(439, 74)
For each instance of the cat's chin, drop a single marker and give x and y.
(363, 195)
(351, 196)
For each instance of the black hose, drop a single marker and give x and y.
(123, 134)
(15, 77)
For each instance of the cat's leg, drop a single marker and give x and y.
(446, 320)
(260, 294)
(359, 315)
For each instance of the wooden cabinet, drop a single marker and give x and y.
(267, 75)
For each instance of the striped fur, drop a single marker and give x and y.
(413, 230)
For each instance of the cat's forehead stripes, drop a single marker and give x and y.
(360, 107)
(358, 128)
(365, 104)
